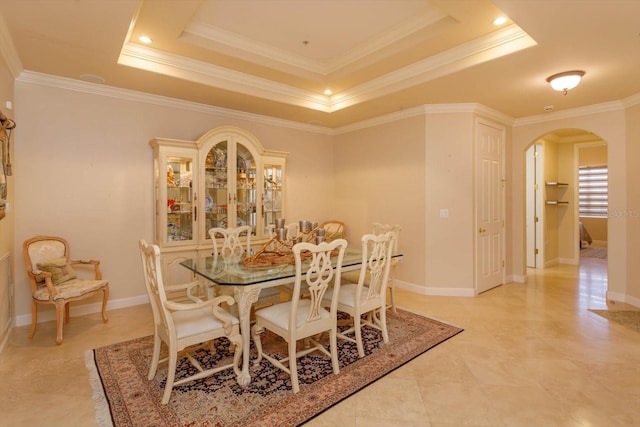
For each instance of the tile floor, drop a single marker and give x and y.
(531, 355)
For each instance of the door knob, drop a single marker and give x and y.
(482, 230)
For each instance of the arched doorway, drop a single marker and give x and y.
(555, 227)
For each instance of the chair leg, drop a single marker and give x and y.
(383, 325)
(357, 325)
(34, 318)
(333, 337)
(171, 375)
(61, 310)
(293, 366)
(156, 356)
(105, 298)
(392, 292)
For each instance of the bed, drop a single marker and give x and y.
(584, 235)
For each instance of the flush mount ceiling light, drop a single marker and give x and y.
(563, 82)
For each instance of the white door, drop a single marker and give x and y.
(489, 206)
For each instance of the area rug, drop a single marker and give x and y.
(594, 252)
(125, 397)
(627, 318)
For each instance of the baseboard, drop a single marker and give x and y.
(79, 310)
(519, 278)
(432, 291)
(618, 297)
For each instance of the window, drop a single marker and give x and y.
(593, 191)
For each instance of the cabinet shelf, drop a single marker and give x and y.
(556, 184)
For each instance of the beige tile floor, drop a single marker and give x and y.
(531, 355)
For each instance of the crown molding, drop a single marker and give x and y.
(135, 96)
(631, 101)
(494, 45)
(230, 43)
(153, 60)
(499, 43)
(571, 113)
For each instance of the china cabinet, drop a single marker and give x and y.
(224, 179)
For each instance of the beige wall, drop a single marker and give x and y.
(83, 168)
(380, 177)
(449, 185)
(632, 206)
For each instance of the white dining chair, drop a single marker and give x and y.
(236, 242)
(304, 319)
(368, 296)
(183, 325)
(379, 228)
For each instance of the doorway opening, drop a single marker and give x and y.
(558, 225)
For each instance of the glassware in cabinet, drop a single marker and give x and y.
(273, 202)
(175, 200)
(218, 181)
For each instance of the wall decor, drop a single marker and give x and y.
(6, 126)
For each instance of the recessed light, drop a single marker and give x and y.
(327, 92)
(500, 20)
(145, 39)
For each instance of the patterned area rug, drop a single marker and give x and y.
(628, 318)
(126, 398)
(594, 252)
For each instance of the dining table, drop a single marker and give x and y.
(245, 282)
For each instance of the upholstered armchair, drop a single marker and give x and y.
(54, 280)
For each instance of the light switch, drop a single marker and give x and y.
(444, 213)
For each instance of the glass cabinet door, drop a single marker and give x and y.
(179, 200)
(230, 181)
(216, 195)
(245, 196)
(273, 204)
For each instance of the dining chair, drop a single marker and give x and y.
(304, 319)
(54, 280)
(379, 228)
(236, 241)
(334, 230)
(181, 325)
(368, 296)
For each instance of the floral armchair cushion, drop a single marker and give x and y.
(60, 270)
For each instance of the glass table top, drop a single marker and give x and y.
(237, 274)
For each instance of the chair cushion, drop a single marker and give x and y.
(278, 314)
(59, 268)
(70, 289)
(198, 321)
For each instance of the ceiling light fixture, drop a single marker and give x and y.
(327, 92)
(563, 82)
(145, 39)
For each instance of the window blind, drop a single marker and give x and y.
(593, 191)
